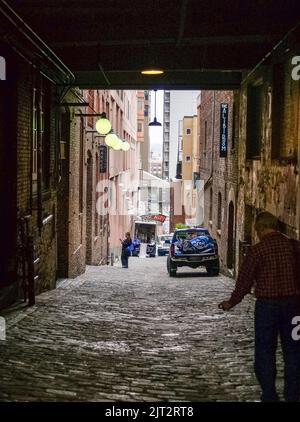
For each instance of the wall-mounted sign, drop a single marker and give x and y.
(154, 217)
(102, 159)
(223, 129)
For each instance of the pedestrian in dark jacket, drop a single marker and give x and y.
(126, 243)
(272, 267)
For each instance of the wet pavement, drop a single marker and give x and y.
(134, 334)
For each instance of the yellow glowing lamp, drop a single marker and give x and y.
(118, 145)
(125, 146)
(152, 71)
(103, 125)
(111, 140)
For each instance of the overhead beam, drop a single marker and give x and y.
(221, 40)
(178, 80)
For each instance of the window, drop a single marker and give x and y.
(34, 142)
(41, 100)
(284, 136)
(64, 133)
(188, 131)
(96, 181)
(188, 158)
(140, 104)
(45, 99)
(140, 127)
(127, 109)
(234, 117)
(254, 121)
(90, 118)
(81, 164)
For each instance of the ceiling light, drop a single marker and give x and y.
(152, 71)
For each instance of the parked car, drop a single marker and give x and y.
(193, 248)
(163, 244)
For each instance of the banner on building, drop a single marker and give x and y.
(154, 217)
(103, 159)
(223, 129)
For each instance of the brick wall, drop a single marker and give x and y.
(41, 227)
(270, 181)
(219, 174)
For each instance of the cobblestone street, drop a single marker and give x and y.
(131, 335)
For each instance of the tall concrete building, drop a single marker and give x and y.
(177, 104)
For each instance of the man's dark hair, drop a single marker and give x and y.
(266, 220)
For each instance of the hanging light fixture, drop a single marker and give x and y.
(154, 122)
(103, 125)
(118, 145)
(111, 139)
(125, 146)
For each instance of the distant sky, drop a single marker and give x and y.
(156, 133)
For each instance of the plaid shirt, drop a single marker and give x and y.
(270, 267)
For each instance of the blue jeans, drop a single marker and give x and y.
(273, 317)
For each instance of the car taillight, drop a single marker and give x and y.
(172, 249)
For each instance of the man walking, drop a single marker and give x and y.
(272, 267)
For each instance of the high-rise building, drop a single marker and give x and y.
(177, 104)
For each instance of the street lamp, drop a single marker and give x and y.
(155, 122)
(103, 125)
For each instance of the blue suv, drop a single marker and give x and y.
(193, 248)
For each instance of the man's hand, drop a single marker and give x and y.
(225, 305)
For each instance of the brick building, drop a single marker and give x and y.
(30, 164)
(50, 167)
(269, 143)
(218, 169)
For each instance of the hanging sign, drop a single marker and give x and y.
(223, 129)
(102, 159)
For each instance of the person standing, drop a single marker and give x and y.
(126, 243)
(272, 267)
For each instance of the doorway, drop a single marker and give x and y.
(230, 238)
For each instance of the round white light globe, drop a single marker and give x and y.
(103, 126)
(125, 146)
(111, 140)
(118, 145)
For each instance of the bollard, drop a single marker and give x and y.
(112, 259)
